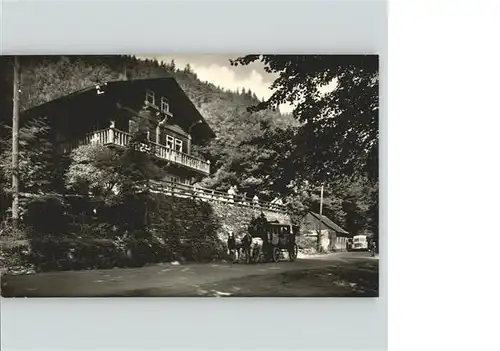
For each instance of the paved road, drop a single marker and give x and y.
(340, 274)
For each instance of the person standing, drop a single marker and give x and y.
(255, 200)
(373, 247)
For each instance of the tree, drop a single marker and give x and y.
(48, 78)
(359, 203)
(40, 205)
(340, 129)
(37, 158)
(118, 182)
(95, 169)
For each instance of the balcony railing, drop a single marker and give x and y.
(112, 136)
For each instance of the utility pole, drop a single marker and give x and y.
(15, 144)
(320, 219)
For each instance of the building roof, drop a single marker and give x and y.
(328, 222)
(168, 83)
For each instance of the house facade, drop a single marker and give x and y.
(111, 113)
(333, 237)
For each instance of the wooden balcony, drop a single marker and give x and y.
(115, 137)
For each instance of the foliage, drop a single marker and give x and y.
(39, 175)
(188, 226)
(307, 244)
(336, 100)
(13, 259)
(44, 215)
(72, 253)
(8, 233)
(37, 158)
(357, 206)
(336, 96)
(117, 185)
(94, 169)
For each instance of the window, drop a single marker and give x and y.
(178, 145)
(170, 142)
(150, 97)
(164, 106)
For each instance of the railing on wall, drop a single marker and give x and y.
(112, 136)
(209, 195)
(171, 188)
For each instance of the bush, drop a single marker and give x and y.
(204, 250)
(71, 253)
(307, 244)
(115, 236)
(14, 257)
(45, 216)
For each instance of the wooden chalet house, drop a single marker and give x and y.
(108, 115)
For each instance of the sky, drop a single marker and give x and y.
(216, 69)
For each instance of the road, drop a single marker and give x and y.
(338, 274)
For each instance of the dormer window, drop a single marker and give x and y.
(164, 106)
(150, 97)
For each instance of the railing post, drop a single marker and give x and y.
(189, 144)
(111, 134)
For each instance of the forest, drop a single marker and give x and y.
(258, 148)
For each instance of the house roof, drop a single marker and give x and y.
(328, 222)
(175, 128)
(168, 83)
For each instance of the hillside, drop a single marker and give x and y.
(45, 78)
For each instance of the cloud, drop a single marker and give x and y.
(226, 77)
(217, 70)
(241, 72)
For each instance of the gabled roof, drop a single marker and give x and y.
(175, 128)
(328, 222)
(167, 83)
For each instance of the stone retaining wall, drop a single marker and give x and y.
(236, 218)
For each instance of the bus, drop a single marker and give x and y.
(360, 242)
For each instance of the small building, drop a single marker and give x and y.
(108, 113)
(333, 237)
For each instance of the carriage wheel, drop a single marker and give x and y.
(293, 252)
(276, 254)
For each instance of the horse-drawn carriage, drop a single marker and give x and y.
(265, 241)
(278, 238)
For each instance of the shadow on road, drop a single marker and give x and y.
(334, 275)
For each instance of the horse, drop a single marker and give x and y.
(256, 247)
(235, 246)
(248, 245)
(252, 246)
